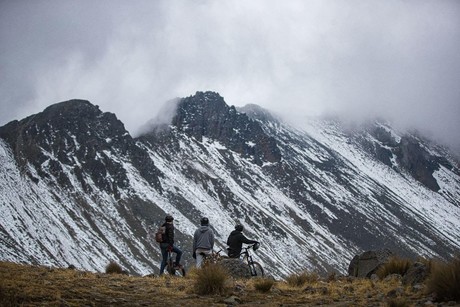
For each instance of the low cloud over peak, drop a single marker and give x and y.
(394, 59)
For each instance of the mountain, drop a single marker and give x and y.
(77, 188)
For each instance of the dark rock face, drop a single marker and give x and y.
(367, 263)
(207, 115)
(408, 155)
(418, 162)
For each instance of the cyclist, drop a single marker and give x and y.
(235, 241)
(168, 244)
(203, 241)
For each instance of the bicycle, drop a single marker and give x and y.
(212, 258)
(254, 267)
(171, 269)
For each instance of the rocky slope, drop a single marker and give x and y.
(77, 188)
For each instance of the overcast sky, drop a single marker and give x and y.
(395, 59)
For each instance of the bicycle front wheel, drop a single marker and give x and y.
(256, 269)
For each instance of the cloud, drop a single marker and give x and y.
(396, 59)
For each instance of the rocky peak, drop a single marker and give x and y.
(75, 135)
(258, 113)
(207, 115)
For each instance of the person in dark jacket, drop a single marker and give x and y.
(235, 242)
(168, 244)
(203, 241)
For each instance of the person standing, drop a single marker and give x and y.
(167, 244)
(203, 241)
(235, 242)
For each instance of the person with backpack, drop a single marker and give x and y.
(203, 241)
(167, 244)
(235, 242)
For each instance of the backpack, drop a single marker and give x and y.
(160, 233)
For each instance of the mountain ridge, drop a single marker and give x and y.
(320, 190)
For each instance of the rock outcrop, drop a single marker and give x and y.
(367, 263)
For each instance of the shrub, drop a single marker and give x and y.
(113, 268)
(210, 279)
(444, 280)
(263, 284)
(395, 265)
(300, 279)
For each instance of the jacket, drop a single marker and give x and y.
(203, 238)
(235, 243)
(168, 237)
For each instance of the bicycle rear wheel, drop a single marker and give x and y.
(256, 269)
(170, 267)
(180, 272)
(175, 272)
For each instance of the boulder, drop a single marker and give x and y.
(235, 267)
(367, 263)
(416, 274)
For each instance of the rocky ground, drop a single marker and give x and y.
(26, 285)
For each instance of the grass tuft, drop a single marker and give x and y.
(300, 279)
(210, 280)
(263, 284)
(113, 268)
(395, 265)
(444, 280)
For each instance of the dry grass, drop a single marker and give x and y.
(44, 286)
(444, 280)
(300, 279)
(395, 265)
(113, 268)
(263, 284)
(210, 279)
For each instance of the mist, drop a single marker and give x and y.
(397, 60)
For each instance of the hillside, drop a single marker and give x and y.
(28, 285)
(77, 189)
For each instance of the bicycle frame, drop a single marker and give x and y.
(254, 266)
(214, 257)
(170, 266)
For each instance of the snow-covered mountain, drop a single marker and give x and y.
(77, 188)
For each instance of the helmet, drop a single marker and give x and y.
(239, 227)
(204, 221)
(169, 218)
(256, 246)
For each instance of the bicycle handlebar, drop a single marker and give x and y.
(252, 245)
(248, 247)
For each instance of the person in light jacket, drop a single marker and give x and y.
(203, 241)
